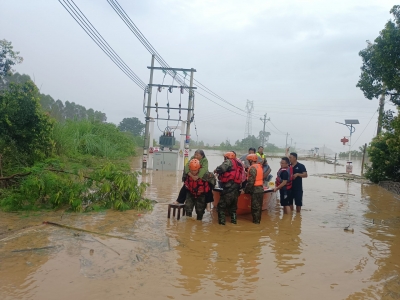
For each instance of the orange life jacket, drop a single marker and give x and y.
(197, 187)
(278, 180)
(260, 173)
(235, 174)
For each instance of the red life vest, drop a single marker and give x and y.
(260, 173)
(290, 177)
(197, 187)
(235, 174)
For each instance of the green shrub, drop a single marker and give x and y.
(50, 186)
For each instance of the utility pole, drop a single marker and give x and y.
(363, 159)
(168, 108)
(287, 135)
(264, 121)
(146, 131)
(381, 111)
(189, 117)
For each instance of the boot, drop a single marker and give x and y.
(199, 217)
(255, 219)
(233, 218)
(221, 218)
(188, 214)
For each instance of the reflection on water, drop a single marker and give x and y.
(286, 242)
(286, 257)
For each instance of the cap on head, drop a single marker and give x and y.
(230, 155)
(194, 165)
(252, 157)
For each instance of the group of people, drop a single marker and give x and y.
(249, 175)
(289, 182)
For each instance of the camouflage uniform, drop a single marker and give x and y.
(257, 194)
(229, 195)
(198, 202)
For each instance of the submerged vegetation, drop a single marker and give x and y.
(55, 156)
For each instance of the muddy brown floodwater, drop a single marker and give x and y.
(299, 256)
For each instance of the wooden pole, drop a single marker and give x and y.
(363, 158)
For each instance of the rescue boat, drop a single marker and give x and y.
(244, 200)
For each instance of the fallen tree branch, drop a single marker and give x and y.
(66, 172)
(51, 170)
(84, 230)
(15, 175)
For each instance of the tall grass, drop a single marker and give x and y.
(92, 138)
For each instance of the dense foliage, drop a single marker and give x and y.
(85, 137)
(380, 75)
(384, 153)
(132, 125)
(25, 131)
(8, 58)
(381, 64)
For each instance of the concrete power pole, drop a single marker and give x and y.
(264, 120)
(381, 111)
(287, 135)
(146, 131)
(189, 116)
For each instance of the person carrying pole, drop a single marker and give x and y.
(254, 187)
(230, 178)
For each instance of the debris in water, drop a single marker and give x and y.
(347, 228)
(33, 249)
(344, 194)
(105, 246)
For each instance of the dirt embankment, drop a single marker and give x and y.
(391, 186)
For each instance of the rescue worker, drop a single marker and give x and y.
(196, 190)
(283, 184)
(266, 168)
(260, 153)
(254, 187)
(203, 174)
(230, 178)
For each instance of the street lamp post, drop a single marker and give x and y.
(349, 124)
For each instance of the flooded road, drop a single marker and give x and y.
(299, 256)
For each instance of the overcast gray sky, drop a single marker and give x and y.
(297, 60)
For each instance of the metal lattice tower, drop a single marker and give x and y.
(249, 108)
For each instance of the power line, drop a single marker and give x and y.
(277, 128)
(92, 32)
(135, 30)
(366, 126)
